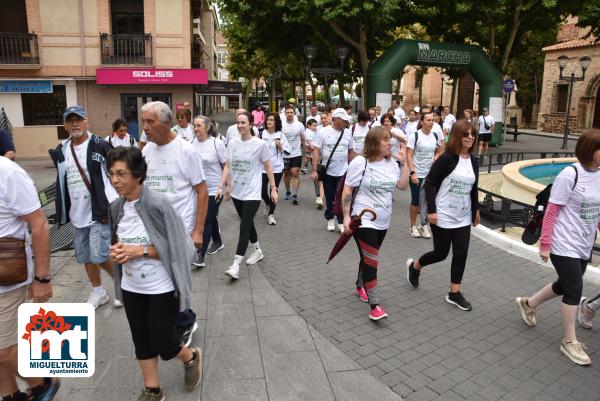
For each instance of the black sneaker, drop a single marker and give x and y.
(456, 298)
(187, 333)
(47, 391)
(295, 199)
(198, 260)
(412, 274)
(215, 247)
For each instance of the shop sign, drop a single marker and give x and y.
(151, 76)
(26, 86)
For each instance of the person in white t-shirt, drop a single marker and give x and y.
(399, 113)
(175, 170)
(214, 156)
(19, 207)
(449, 118)
(119, 136)
(246, 157)
(569, 229)
(452, 207)
(373, 120)
(310, 135)
(388, 122)
(359, 131)
(314, 115)
(83, 197)
(334, 148)
(486, 129)
(424, 146)
(371, 179)
(184, 127)
(278, 146)
(294, 131)
(232, 131)
(378, 113)
(411, 125)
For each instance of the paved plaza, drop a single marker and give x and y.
(292, 328)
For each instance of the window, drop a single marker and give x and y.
(44, 108)
(222, 57)
(562, 94)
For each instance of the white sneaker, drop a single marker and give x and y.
(414, 232)
(319, 203)
(425, 231)
(341, 228)
(271, 220)
(233, 271)
(117, 303)
(331, 225)
(255, 257)
(97, 300)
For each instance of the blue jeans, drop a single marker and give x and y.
(330, 184)
(92, 243)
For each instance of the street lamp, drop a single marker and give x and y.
(310, 51)
(445, 77)
(584, 63)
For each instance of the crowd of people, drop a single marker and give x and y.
(146, 212)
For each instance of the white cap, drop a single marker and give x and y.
(417, 109)
(341, 113)
(398, 133)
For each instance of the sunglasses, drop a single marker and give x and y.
(467, 134)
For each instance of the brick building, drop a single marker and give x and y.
(585, 102)
(111, 56)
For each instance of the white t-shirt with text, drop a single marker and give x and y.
(453, 201)
(175, 169)
(317, 118)
(275, 154)
(360, 133)
(145, 275)
(214, 155)
(293, 132)
(326, 140)
(186, 133)
(376, 189)
(424, 151)
(246, 160)
(577, 221)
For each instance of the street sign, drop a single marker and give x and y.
(509, 85)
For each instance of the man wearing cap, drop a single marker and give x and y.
(334, 147)
(83, 194)
(486, 127)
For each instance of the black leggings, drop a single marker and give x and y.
(442, 239)
(570, 278)
(369, 241)
(211, 220)
(152, 320)
(266, 194)
(246, 209)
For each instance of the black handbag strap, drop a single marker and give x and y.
(333, 152)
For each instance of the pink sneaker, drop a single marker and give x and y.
(377, 313)
(362, 294)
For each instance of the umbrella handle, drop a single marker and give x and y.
(368, 210)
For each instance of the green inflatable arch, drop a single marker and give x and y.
(413, 52)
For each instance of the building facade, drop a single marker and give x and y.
(585, 99)
(110, 56)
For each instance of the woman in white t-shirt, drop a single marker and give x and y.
(372, 178)
(214, 156)
(247, 155)
(278, 145)
(452, 207)
(183, 127)
(151, 243)
(571, 221)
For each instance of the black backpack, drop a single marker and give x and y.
(533, 229)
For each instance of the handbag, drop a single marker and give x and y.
(13, 261)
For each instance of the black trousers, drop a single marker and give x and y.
(570, 278)
(443, 238)
(152, 322)
(330, 184)
(246, 209)
(266, 194)
(211, 220)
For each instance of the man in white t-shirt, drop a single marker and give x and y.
(19, 207)
(334, 159)
(175, 170)
(294, 132)
(373, 120)
(119, 136)
(449, 118)
(399, 113)
(83, 195)
(486, 128)
(314, 115)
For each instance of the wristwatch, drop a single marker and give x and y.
(146, 251)
(412, 173)
(44, 280)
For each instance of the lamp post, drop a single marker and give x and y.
(584, 63)
(444, 78)
(310, 51)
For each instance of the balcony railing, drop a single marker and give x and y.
(126, 48)
(19, 48)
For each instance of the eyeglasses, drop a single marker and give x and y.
(119, 174)
(467, 134)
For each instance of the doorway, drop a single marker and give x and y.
(596, 122)
(131, 109)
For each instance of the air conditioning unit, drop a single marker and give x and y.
(197, 29)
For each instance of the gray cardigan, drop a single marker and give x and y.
(168, 234)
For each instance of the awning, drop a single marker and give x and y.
(151, 76)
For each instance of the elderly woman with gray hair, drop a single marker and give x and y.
(214, 158)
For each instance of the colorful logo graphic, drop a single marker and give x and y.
(56, 340)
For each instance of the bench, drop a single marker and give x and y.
(61, 237)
